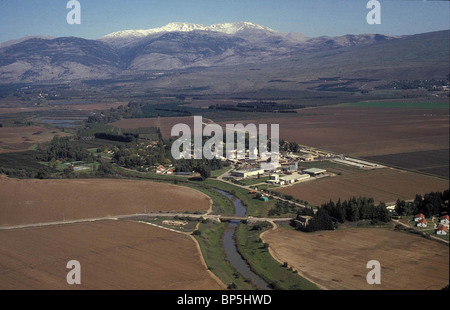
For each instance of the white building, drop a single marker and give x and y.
(442, 230)
(247, 173)
(422, 223)
(314, 171)
(287, 179)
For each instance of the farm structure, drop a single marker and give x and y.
(362, 164)
(314, 171)
(276, 179)
(247, 173)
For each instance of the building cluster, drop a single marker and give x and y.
(440, 229)
(284, 174)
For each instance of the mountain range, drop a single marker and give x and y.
(228, 46)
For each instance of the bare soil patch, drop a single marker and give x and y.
(385, 185)
(16, 139)
(365, 131)
(113, 255)
(39, 201)
(337, 259)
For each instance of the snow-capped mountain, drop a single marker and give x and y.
(127, 37)
(228, 28)
(171, 47)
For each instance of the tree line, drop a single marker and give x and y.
(433, 203)
(355, 209)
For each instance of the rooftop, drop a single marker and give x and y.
(315, 170)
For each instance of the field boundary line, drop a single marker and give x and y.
(278, 259)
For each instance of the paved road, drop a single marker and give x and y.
(130, 216)
(148, 215)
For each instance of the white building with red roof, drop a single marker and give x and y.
(419, 217)
(422, 223)
(442, 230)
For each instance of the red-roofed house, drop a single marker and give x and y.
(422, 223)
(444, 220)
(160, 169)
(419, 217)
(442, 230)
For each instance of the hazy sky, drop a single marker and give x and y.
(19, 18)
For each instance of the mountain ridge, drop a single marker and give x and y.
(180, 46)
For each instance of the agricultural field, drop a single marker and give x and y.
(433, 162)
(23, 138)
(385, 185)
(37, 201)
(165, 124)
(337, 259)
(366, 131)
(16, 107)
(113, 255)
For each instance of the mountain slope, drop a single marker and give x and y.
(229, 47)
(57, 59)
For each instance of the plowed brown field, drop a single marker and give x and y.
(385, 185)
(365, 131)
(14, 139)
(38, 201)
(112, 255)
(337, 259)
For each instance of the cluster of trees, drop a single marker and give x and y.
(283, 207)
(287, 146)
(127, 137)
(115, 114)
(261, 226)
(63, 148)
(202, 166)
(164, 110)
(321, 221)
(258, 106)
(104, 169)
(27, 173)
(352, 210)
(132, 156)
(430, 204)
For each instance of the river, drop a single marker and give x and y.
(230, 247)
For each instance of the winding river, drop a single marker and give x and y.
(230, 246)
